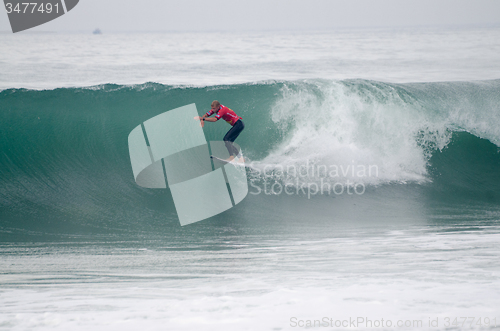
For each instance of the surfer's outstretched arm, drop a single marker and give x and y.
(201, 119)
(204, 119)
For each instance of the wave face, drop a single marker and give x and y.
(64, 152)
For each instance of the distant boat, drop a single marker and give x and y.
(97, 31)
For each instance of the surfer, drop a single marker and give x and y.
(230, 117)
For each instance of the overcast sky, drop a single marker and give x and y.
(242, 15)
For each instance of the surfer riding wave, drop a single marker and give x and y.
(230, 117)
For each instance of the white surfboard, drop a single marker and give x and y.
(234, 161)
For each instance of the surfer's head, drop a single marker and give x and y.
(215, 105)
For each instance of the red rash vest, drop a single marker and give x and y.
(226, 114)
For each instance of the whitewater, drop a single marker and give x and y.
(405, 121)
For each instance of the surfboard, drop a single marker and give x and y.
(236, 163)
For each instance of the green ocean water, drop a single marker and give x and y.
(65, 169)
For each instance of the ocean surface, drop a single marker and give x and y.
(374, 185)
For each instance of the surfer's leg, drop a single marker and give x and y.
(231, 136)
